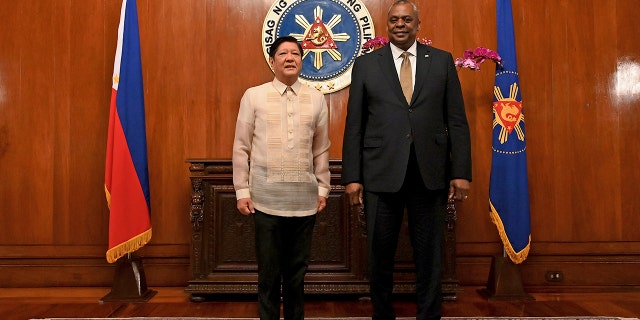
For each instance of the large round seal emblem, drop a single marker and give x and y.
(331, 33)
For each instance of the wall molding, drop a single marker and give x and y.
(590, 266)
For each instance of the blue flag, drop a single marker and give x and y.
(508, 188)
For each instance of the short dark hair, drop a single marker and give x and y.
(281, 40)
(397, 2)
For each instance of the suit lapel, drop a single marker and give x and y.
(389, 71)
(423, 61)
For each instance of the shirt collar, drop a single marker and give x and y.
(396, 52)
(282, 88)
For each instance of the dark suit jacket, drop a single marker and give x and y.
(381, 126)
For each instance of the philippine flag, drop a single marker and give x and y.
(126, 173)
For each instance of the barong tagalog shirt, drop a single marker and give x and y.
(284, 132)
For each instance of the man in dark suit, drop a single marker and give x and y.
(408, 153)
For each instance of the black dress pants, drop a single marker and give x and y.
(283, 246)
(426, 212)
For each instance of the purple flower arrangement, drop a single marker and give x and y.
(375, 43)
(472, 59)
(379, 42)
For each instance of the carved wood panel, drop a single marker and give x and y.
(223, 250)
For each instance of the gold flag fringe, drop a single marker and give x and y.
(128, 246)
(108, 194)
(516, 257)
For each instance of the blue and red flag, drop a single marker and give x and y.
(508, 188)
(126, 173)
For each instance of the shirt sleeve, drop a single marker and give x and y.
(320, 150)
(245, 126)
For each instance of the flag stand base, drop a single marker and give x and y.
(504, 282)
(129, 283)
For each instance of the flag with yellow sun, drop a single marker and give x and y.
(508, 188)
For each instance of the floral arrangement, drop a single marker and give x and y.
(472, 59)
(379, 42)
(375, 43)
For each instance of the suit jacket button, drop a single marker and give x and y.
(410, 110)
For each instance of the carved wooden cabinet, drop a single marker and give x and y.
(222, 242)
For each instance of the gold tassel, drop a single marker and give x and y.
(516, 257)
(129, 246)
(108, 194)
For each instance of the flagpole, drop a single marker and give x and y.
(505, 281)
(129, 282)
